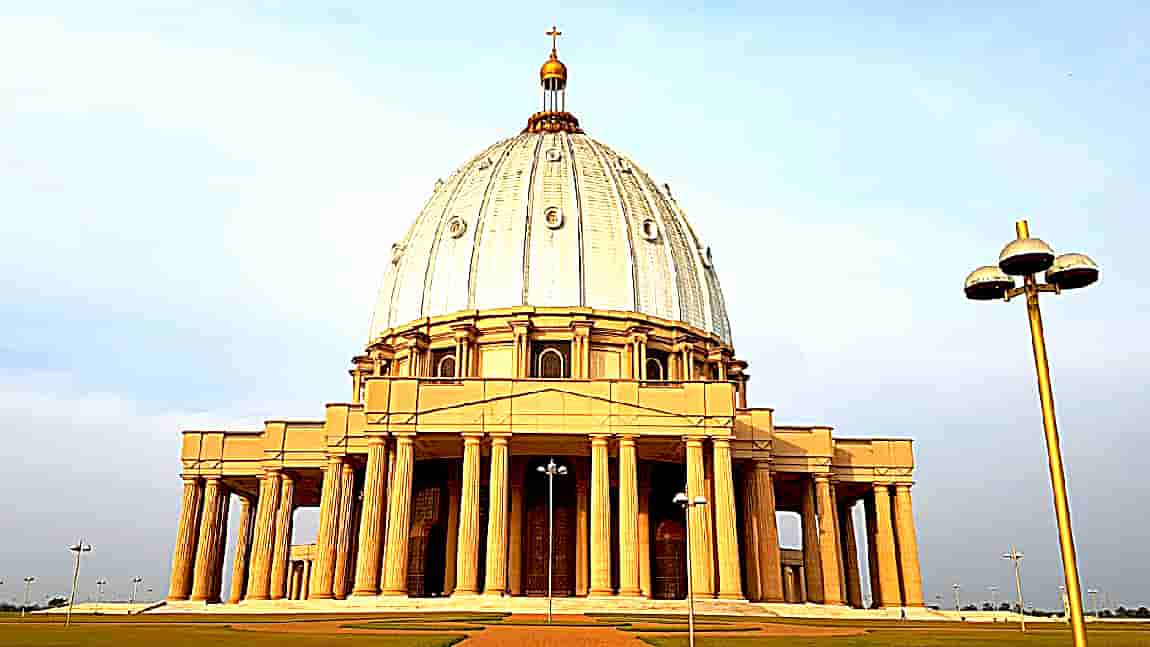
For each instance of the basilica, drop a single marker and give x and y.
(550, 305)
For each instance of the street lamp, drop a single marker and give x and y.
(993, 597)
(100, 590)
(1026, 257)
(551, 470)
(27, 591)
(135, 585)
(957, 603)
(1016, 557)
(1094, 594)
(79, 548)
(687, 503)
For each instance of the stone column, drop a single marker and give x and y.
(850, 557)
(726, 532)
(243, 551)
(399, 518)
(828, 545)
(452, 535)
(282, 553)
(801, 580)
(696, 520)
(884, 545)
(187, 536)
(342, 577)
(371, 519)
(207, 553)
(789, 593)
(263, 537)
(708, 516)
(812, 559)
(467, 557)
(907, 546)
(323, 571)
(628, 518)
(872, 551)
(839, 543)
(582, 537)
(221, 550)
(770, 557)
(291, 581)
(515, 541)
(644, 532)
(600, 518)
(496, 571)
(305, 592)
(750, 535)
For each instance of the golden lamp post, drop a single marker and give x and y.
(1026, 257)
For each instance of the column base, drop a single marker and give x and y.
(730, 596)
(464, 594)
(495, 594)
(630, 593)
(365, 593)
(316, 596)
(605, 593)
(394, 594)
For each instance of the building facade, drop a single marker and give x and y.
(551, 301)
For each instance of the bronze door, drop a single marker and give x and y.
(535, 543)
(670, 573)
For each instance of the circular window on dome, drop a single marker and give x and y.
(622, 165)
(707, 262)
(553, 217)
(554, 155)
(396, 253)
(456, 227)
(650, 229)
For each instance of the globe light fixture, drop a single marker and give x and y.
(681, 499)
(1016, 557)
(551, 469)
(1027, 257)
(79, 548)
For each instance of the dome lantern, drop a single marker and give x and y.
(553, 78)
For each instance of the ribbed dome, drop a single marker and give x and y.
(551, 219)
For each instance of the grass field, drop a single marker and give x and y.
(447, 628)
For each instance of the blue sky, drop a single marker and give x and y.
(196, 202)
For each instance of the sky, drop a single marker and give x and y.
(197, 202)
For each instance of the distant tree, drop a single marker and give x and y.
(1106, 613)
(57, 601)
(1142, 612)
(970, 607)
(986, 606)
(1005, 606)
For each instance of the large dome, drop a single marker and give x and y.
(551, 219)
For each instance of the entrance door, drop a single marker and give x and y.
(670, 576)
(535, 536)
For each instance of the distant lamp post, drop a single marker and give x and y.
(1016, 557)
(993, 597)
(1093, 593)
(135, 585)
(551, 470)
(1027, 257)
(79, 548)
(957, 601)
(27, 593)
(100, 590)
(687, 503)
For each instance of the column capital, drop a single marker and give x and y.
(761, 464)
(212, 478)
(821, 477)
(500, 439)
(376, 440)
(335, 460)
(472, 438)
(903, 485)
(191, 479)
(627, 439)
(721, 441)
(347, 467)
(286, 477)
(405, 438)
(600, 439)
(272, 470)
(694, 440)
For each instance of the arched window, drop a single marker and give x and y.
(550, 364)
(654, 369)
(445, 367)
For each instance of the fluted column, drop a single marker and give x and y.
(850, 557)
(582, 536)
(696, 520)
(789, 585)
(828, 543)
(323, 571)
(770, 556)
(263, 537)
(399, 518)
(812, 558)
(207, 552)
(452, 535)
(305, 592)
(600, 518)
(187, 537)
(243, 551)
(707, 513)
(726, 532)
(371, 519)
(467, 558)
(644, 532)
(344, 545)
(496, 571)
(872, 551)
(750, 535)
(884, 545)
(907, 546)
(515, 535)
(628, 518)
(217, 569)
(282, 553)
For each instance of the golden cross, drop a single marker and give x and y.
(554, 34)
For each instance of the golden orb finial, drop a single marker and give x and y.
(553, 77)
(553, 74)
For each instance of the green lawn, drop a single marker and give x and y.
(961, 637)
(107, 635)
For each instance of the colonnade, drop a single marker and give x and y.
(364, 526)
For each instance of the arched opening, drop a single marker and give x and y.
(446, 366)
(550, 359)
(654, 369)
(550, 364)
